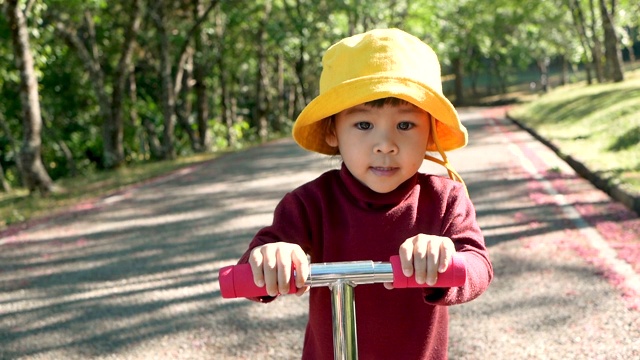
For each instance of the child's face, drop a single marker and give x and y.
(381, 146)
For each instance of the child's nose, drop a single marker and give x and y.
(386, 145)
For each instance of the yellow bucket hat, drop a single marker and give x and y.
(374, 65)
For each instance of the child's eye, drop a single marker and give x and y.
(363, 125)
(405, 125)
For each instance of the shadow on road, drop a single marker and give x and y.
(96, 282)
(134, 275)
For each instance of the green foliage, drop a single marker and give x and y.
(492, 40)
(596, 124)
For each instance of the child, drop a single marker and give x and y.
(380, 108)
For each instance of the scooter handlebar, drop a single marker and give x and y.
(237, 280)
(454, 276)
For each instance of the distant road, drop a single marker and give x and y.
(134, 275)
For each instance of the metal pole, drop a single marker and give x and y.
(341, 278)
(344, 321)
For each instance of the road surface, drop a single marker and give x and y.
(134, 275)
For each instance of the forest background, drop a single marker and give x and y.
(93, 85)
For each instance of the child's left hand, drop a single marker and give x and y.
(426, 256)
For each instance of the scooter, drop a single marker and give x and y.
(341, 277)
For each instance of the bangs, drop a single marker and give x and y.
(392, 101)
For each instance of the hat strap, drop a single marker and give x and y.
(453, 175)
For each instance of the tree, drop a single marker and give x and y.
(87, 48)
(611, 46)
(4, 184)
(168, 98)
(263, 105)
(580, 27)
(167, 78)
(34, 175)
(199, 72)
(172, 86)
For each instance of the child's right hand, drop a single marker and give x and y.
(271, 266)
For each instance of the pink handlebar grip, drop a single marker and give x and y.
(237, 281)
(454, 276)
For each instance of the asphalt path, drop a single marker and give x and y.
(134, 275)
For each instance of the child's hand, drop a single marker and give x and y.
(426, 256)
(271, 266)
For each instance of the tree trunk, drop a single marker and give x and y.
(579, 21)
(232, 112)
(632, 33)
(155, 148)
(12, 143)
(291, 105)
(72, 168)
(34, 175)
(458, 70)
(302, 92)
(4, 184)
(199, 74)
(281, 110)
(171, 87)
(6, 187)
(611, 47)
(543, 65)
(597, 45)
(262, 85)
(183, 105)
(168, 95)
(227, 104)
(114, 127)
(564, 75)
(300, 65)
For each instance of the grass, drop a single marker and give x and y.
(598, 125)
(17, 206)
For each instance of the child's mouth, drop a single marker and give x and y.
(383, 170)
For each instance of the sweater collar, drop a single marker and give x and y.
(371, 199)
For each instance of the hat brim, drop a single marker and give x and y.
(309, 129)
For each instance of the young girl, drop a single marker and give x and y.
(380, 108)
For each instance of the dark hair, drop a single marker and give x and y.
(386, 101)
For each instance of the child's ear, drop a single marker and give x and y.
(331, 139)
(330, 133)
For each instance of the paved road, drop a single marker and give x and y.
(134, 276)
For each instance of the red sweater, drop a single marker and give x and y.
(336, 218)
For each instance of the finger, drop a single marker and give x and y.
(388, 285)
(301, 264)
(256, 262)
(445, 258)
(420, 265)
(406, 256)
(270, 270)
(420, 261)
(302, 290)
(284, 269)
(433, 255)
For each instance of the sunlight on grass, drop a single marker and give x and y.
(598, 125)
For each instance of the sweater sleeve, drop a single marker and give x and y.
(460, 225)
